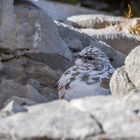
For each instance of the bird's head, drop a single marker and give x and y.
(90, 55)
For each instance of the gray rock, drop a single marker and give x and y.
(33, 94)
(127, 78)
(7, 23)
(113, 30)
(116, 58)
(84, 119)
(118, 116)
(34, 83)
(120, 41)
(56, 120)
(52, 8)
(72, 36)
(9, 88)
(34, 66)
(50, 93)
(11, 108)
(20, 101)
(54, 61)
(40, 70)
(31, 48)
(120, 83)
(26, 26)
(94, 21)
(75, 36)
(132, 66)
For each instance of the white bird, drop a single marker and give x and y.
(89, 76)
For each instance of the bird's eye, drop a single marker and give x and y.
(89, 58)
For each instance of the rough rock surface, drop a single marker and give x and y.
(9, 88)
(119, 41)
(88, 118)
(95, 21)
(59, 123)
(78, 40)
(32, 53)
(118, 116)
(20, 101)
(52, 8)
(73, 37)
(32, 58)
(126, 79)
(120, 83)
(37, 72)
(11, 108)
(29, 27)
(132, 66)
(108, 29)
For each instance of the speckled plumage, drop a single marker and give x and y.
(88, 77)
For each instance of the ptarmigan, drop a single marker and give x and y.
(89, 76)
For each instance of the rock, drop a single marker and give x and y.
(70, 35)
(54, 61)
(30, 49)
(118, 116)
(95, 21)
(35, 84)
(32, 94)
(115, 31)
(7, 24)
(73, 36)
(55, 121)
(120, 83)
(34, 66)
(45, 75)
(39, 70)
(9, 88)
(116, 58)
(127, 78)
(132, 66)
(114, 38)
(52, 8)
(20, 101)
(30, 28)
(88, 118)
(50, 93)
(12, 108)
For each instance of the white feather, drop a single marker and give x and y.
(85, 77)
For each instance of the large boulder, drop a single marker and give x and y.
(119, 41)
(78, 40)
(45, 68)
(119, 32)
(126, 79)
(54, 9)
(95, 21)
(32, 53)
(49, 121)
(132, 66)
(9, 88)
(26, 26)
(117, 116)
(84, 119)
(39, 72)
(120, 83)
